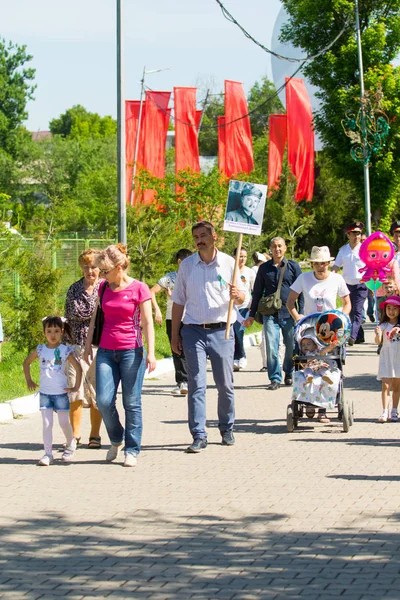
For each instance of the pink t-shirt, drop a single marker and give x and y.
(121, 329)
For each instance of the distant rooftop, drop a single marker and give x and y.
(40, 135)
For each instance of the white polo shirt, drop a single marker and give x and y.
(203, 289)
(349, 259)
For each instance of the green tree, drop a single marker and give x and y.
(72, 185)
(312, 26)
(78, 123)
(208, 135)
(16, 89)
(263, 101)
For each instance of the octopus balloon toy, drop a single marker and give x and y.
(376, 252)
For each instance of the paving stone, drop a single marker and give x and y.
(312, 514)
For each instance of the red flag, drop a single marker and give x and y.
(186, 142)
(239, 145)
(277, 143)
(300, 137)
(221, 145)
(155, 127)
(132, 109)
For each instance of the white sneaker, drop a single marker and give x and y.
(394, 415)
(176, 391)
(384, 416)
(46, 460)
(183, 389)
(236, 365)
(243, 363)
(130, 460)
(113, 452)
(69, 451)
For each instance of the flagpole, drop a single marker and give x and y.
(135, 157)
(367, 200)
(139, 126)
(121, 128)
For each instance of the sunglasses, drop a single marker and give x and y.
(106, 271)
(356, 232)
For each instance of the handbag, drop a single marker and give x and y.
(269, 305)
(99, 320)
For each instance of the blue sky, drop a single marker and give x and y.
(74, 50)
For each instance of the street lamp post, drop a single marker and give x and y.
(367, 199)
(121, 127)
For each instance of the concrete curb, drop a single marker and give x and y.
(6, 413)
(28, 405)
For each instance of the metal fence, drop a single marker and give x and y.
(63, 253)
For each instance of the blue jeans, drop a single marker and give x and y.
(239, 337)
(197, 344)
(54, 401)
(127, 367)
(272, 327)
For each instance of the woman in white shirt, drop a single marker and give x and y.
(320, 287)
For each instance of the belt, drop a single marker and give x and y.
(209, 325)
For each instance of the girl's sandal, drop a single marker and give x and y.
(94, 443)
(323, 419)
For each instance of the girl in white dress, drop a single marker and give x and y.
(389, 358)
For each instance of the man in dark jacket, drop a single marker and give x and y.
(266, 283)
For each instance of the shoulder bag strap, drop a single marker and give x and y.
(102, 292)
(278, 289)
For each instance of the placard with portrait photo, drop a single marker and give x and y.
(245, 207)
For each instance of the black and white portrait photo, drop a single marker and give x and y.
(245, 207)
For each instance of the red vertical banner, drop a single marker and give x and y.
(155, 127)
(239, 144)
(132, 110)
(276, 150)
(221, 145)
(186, 141)
(300, 137)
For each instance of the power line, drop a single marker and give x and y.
(248, 114)
(232, 19)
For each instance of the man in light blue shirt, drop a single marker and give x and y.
(201, 298)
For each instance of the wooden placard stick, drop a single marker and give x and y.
(234, 278)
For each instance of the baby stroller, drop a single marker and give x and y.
(318, 392)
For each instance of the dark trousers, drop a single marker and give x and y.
(179, 359)
(358, 294)
(240, 352)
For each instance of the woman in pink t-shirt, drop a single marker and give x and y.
(121, 357)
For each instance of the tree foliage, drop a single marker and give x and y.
(312, 26)
(77, 123)
(16, 89)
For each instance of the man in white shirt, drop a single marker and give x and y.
(395, 233)
(247, 277)
(349, 258)
(200, 299)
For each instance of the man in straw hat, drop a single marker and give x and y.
(348, 258)
(395, 233)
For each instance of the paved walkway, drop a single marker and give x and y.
(313, 514)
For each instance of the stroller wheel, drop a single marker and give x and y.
(289, 419)
(346, 414)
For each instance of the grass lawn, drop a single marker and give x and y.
(12, 376)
